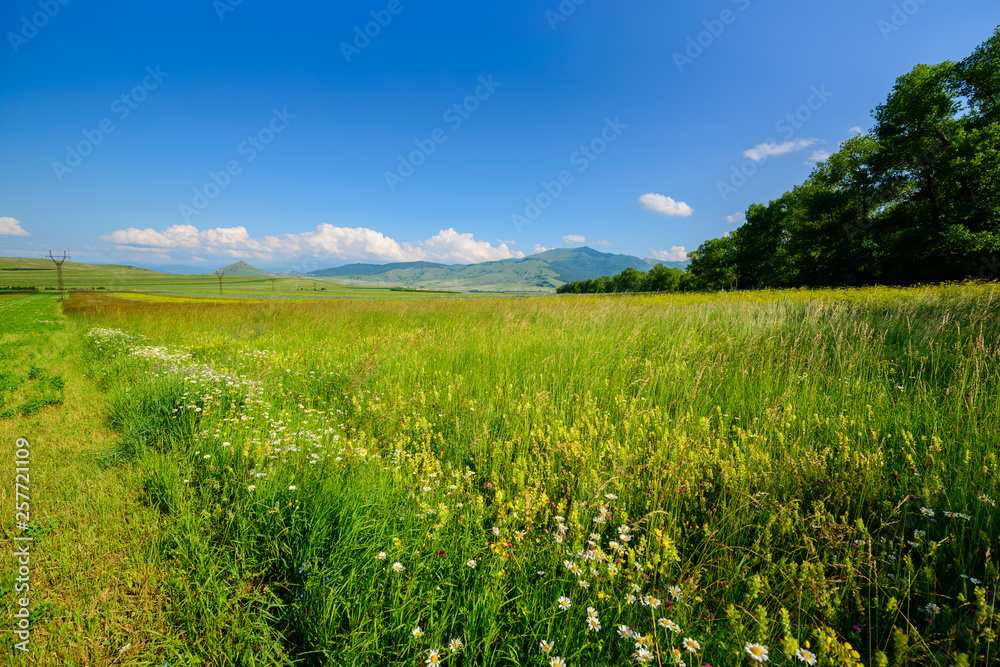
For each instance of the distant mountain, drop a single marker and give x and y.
(243, 270)
(538, 273)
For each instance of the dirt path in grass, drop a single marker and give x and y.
(96, 596)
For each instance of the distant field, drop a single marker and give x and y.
(18, 273)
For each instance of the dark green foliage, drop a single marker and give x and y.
(917, 200)
(659, 279)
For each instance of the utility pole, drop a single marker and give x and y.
(220, 273)
(273, 279)
(59, 262)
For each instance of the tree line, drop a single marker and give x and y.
(659, 279)
(917, 199)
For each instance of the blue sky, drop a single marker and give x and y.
(198, 132)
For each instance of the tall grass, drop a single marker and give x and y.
(770, 455)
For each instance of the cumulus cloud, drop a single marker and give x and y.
(327, 241)
(539, 248)
(817, 156)
(676, 253)
(855, 130)
(771, 149)
(574, 239)
(665, 205)
(603, 243)
(11, 227)
(737, 218)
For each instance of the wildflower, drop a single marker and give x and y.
(926, 511)
(635, 587)
(594, 623)
(519, 535)
(397, 567)
(676, 592)
(433, 657)
(471, 563)
(756, 651)
(557, 662)
(629, 599)
(207, 456)
(292, 487)
(591, 611)
(932, 609)
(496, 531)
(919, 534)
(643, 655)
(669, 625)
(584, 584)
(564, 602)
(610, 496)
(624, 631)
(417, 632)
(612, 570)
(691, 645)
(986, 499)
(573, 567)
(805, 656)
(251, 487)
(381, 555)
(546, 647)
(676, 654)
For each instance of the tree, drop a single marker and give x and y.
(713, 265)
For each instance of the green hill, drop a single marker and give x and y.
(538, 273)
(242, 269)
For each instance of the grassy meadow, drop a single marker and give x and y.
(789, 478)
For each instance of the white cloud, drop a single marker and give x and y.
(817, 156)
(574, 239)
(603, 243)
(771, 149)
(11, 227)
(737, 218)
(676, 253)
(855, 130)
(665, 205)
(539, 248)
(450, 247)
(327, 241)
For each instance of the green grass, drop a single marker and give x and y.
(768, 455)
(96, 580)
